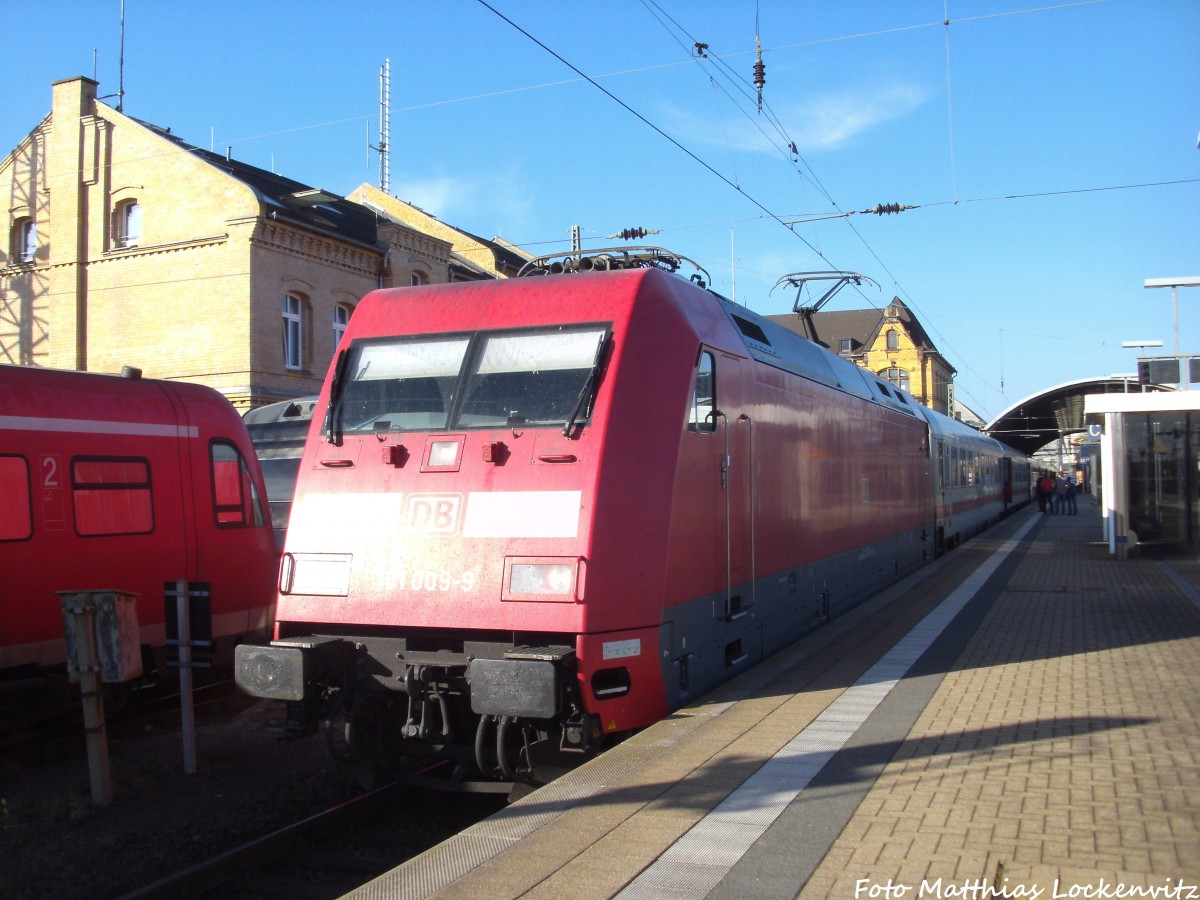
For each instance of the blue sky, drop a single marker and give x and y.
(1050, 147)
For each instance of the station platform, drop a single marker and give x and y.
(1021, 718)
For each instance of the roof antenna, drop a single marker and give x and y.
(385, 126)
(120, 94)
(121, 65)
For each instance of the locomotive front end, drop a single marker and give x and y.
(432, 582)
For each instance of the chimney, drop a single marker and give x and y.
(73, 103)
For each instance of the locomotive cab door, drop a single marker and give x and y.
(722, 412)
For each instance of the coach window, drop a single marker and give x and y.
(127, 224)
(111, 495)
(701, 416)
(236, 503)
(16, 517)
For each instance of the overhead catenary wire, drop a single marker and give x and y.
(787, 148)
(693, 156)
(648, 123)
(955, 199)
(950, 104)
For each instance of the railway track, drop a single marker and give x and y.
(330, 854)
(28, 718)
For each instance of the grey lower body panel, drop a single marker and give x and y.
(706, 641)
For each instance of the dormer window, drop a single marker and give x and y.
(127, 224)
(846, 345)
(24, 241)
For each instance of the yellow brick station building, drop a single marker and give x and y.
(129, 246)
(891, 343)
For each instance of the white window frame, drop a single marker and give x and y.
(127, 224)
(341, 318)
(293, 332)
(24, 240)
(901, 378)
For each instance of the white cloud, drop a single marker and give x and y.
(829, 122)
(440, 196)
(823, 122)
(475, 204)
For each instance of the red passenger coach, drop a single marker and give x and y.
(535, 512)
(111, 483)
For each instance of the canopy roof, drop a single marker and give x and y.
(1042, 418)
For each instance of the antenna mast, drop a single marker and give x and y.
(121, 65)
(385, 126)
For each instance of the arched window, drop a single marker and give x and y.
(417, 278)
(24, 241)
(127, 224)
(293, 331)
(896, 376)
(341, 318)
(893, 339)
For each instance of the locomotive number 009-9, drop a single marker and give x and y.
(431, 580)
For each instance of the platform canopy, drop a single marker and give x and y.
(1043, 418)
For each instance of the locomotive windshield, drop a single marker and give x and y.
(484, 380)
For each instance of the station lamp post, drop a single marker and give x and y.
(1138, 345)
(1174, 284)
(1125, 377)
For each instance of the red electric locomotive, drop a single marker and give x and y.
(120, 483)
(532, 513)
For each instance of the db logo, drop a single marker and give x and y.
(437, 513)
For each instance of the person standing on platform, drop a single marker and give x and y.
(1045, 490)
(1069, 497)
(1060, 494)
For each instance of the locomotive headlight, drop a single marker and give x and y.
(555, 578)
(443, 453)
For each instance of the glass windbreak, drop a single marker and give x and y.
(487, 380)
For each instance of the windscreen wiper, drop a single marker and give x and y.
(587, 391)
(333, 415)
